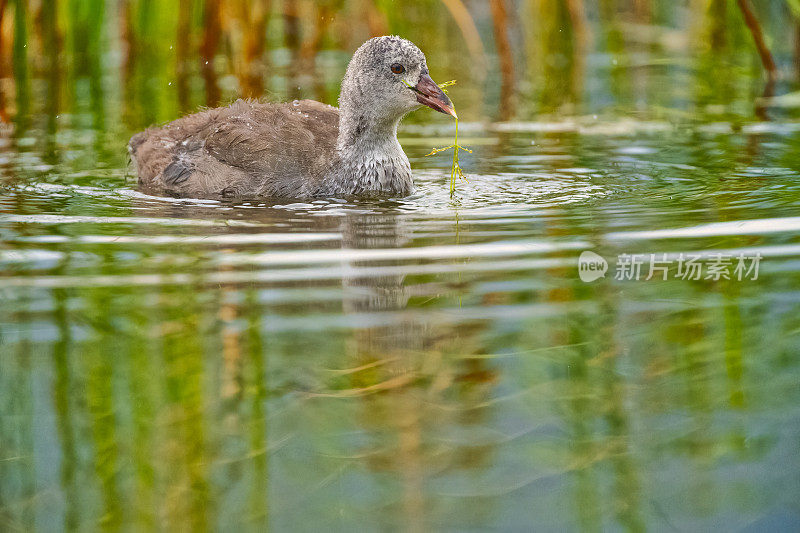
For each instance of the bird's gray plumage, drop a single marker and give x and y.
(296, 149)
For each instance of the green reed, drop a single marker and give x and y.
(455, 172)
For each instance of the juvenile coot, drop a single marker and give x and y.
(302, 148)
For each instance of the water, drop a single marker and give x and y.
(420, 363)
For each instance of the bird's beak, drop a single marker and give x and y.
(431, 95)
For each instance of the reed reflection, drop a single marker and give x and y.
(415, 383)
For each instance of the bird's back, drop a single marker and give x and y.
(245, 149)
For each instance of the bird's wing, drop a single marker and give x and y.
(244, 149)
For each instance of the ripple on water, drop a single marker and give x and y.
(542, 198)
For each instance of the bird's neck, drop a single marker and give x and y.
(370, 158)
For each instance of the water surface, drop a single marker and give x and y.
(419, 363)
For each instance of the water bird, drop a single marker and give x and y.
(302, 148)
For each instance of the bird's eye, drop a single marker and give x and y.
(397, 68)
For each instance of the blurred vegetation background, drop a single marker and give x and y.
(137, 62)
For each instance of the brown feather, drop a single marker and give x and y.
(245, 149)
